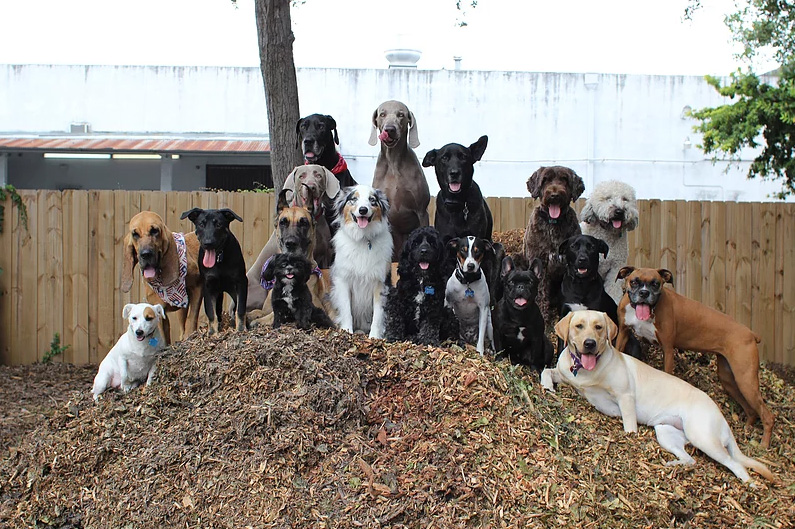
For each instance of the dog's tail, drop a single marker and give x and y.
(748, 462)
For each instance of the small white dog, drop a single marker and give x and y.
(622, 386)
(467, 291)
(609, 213)
(132, 360)
(363, 258)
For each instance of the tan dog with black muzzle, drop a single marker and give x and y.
(662, 316)
(152, 246)
(622, 386)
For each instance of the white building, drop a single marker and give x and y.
(604, 126)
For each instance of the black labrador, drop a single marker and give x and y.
(583, 287)
(317, 138)
(221, 264)
(460, 207)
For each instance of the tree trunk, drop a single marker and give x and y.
(281, 85)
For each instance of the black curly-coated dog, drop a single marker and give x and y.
(291, 298)
(415, 308)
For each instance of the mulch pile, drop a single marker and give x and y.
(326, 429)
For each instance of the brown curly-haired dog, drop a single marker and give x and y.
(551, 222)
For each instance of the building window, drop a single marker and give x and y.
(238, 177)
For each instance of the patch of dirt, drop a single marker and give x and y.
(326, 429)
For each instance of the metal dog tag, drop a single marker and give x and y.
(153, 342)
(430, 291)
(469, 293)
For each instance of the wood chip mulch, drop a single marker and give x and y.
(326, 429)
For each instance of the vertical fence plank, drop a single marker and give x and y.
(668, 249)
(787, 347)
(76, 284)
(431, 210)
(7, 264)
(49, 282)
(640, 256)
(738, 261)
(778, 286)
(108, 283)
(24, 345)
(258, 220)
(762, 271)
(682, 272)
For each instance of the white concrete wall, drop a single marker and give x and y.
(627, 127)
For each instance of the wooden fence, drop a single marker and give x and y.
(62, 274)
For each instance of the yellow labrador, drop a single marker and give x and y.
(621, 386)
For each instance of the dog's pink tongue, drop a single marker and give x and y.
(150, 272)
(289, 276)
(424, 266)
(455, 187)
(383, 136)
(642, 312)
(554, 211)
(520, 301)
(309, 154)
(616, 224)
(209, 258)
(582, 271)
(362, 222)
(588, 361)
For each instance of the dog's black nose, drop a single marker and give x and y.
(291, 245)
(147, 254)
(619, 214)
(643, 294)
(454, 173)
(362, 211)
(589, 344)
(139, 332)
(391, 129)
(471, 267)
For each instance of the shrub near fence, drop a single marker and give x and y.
(62, 274)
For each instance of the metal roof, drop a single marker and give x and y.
(135, 145)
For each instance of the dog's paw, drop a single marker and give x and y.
(546, 380)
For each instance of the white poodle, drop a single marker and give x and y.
(609, 213)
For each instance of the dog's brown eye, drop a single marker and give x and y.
(579, 326)
(135, 235)
(153, 232)
(633, 283)
(148, 318)
(597, 327)
(284, 222)
(655, 284)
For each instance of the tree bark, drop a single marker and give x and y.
(281, 85)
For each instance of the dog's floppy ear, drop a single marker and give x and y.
(298, 133)
(129, 262)
(125, 312)
(452, 245)
(564, 246)
(602, 247)
(383, 202)
(430, 158)
(537, 267)
(160, 311)
(374, 129)
(624, 272)
(534, 183)
(191, 214)
(332, 184)
(289, 182)
(562, 328)
(612, 328)
(230, 215)
(414, 139)
(667, 276)
(478, 148)
(332, 127)
(588, 215)
(169, 261)
(576, 185)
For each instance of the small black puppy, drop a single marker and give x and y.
(583, 287)
(221, 264)
(415, 308)
(460, 207)
(291, 298)
(519, 325)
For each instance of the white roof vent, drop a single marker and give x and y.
(402, 57)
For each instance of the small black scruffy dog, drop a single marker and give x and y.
(291, 298)
(415, 308)
(519, 330)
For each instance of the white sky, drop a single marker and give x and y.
(610, 36)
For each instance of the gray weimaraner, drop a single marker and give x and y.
(398, 172)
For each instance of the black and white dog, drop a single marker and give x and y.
(291, 298)
(415, 309)
(467, 291)
(363, 246)
(221, 264)
(460, 207)
(518, 323)
(583, 288)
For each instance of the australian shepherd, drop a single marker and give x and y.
(363, 247)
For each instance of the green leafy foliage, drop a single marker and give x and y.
(55, 349)
(9, 191)
(761, 114)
